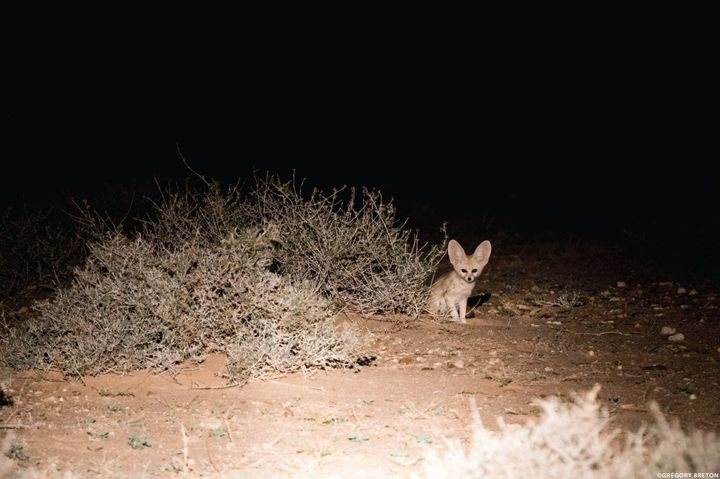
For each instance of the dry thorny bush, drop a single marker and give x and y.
(259, 279)
(575, 440)
(353, 248)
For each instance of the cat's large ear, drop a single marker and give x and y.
(482, 252)
(455, 251)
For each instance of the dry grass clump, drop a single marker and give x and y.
(258, 278)
(574, 440)
(349, 243)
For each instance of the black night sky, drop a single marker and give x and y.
(588, 145)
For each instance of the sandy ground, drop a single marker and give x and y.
(555, 323)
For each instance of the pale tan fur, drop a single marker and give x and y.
(449, 294)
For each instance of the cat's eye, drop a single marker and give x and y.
(474, 270)
(464, 270)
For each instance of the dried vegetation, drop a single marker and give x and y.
(259, 277)
(575, 440)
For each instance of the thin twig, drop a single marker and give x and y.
(225, 386)
(227, 425)
(177, 145)
(604, 333)
(210, 459)
(13, 426)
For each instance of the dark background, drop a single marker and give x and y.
(601, 141)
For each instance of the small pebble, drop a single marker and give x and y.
(681, 290)
(676, 338)
(693, 292)
(621, 284)
(667, 331)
